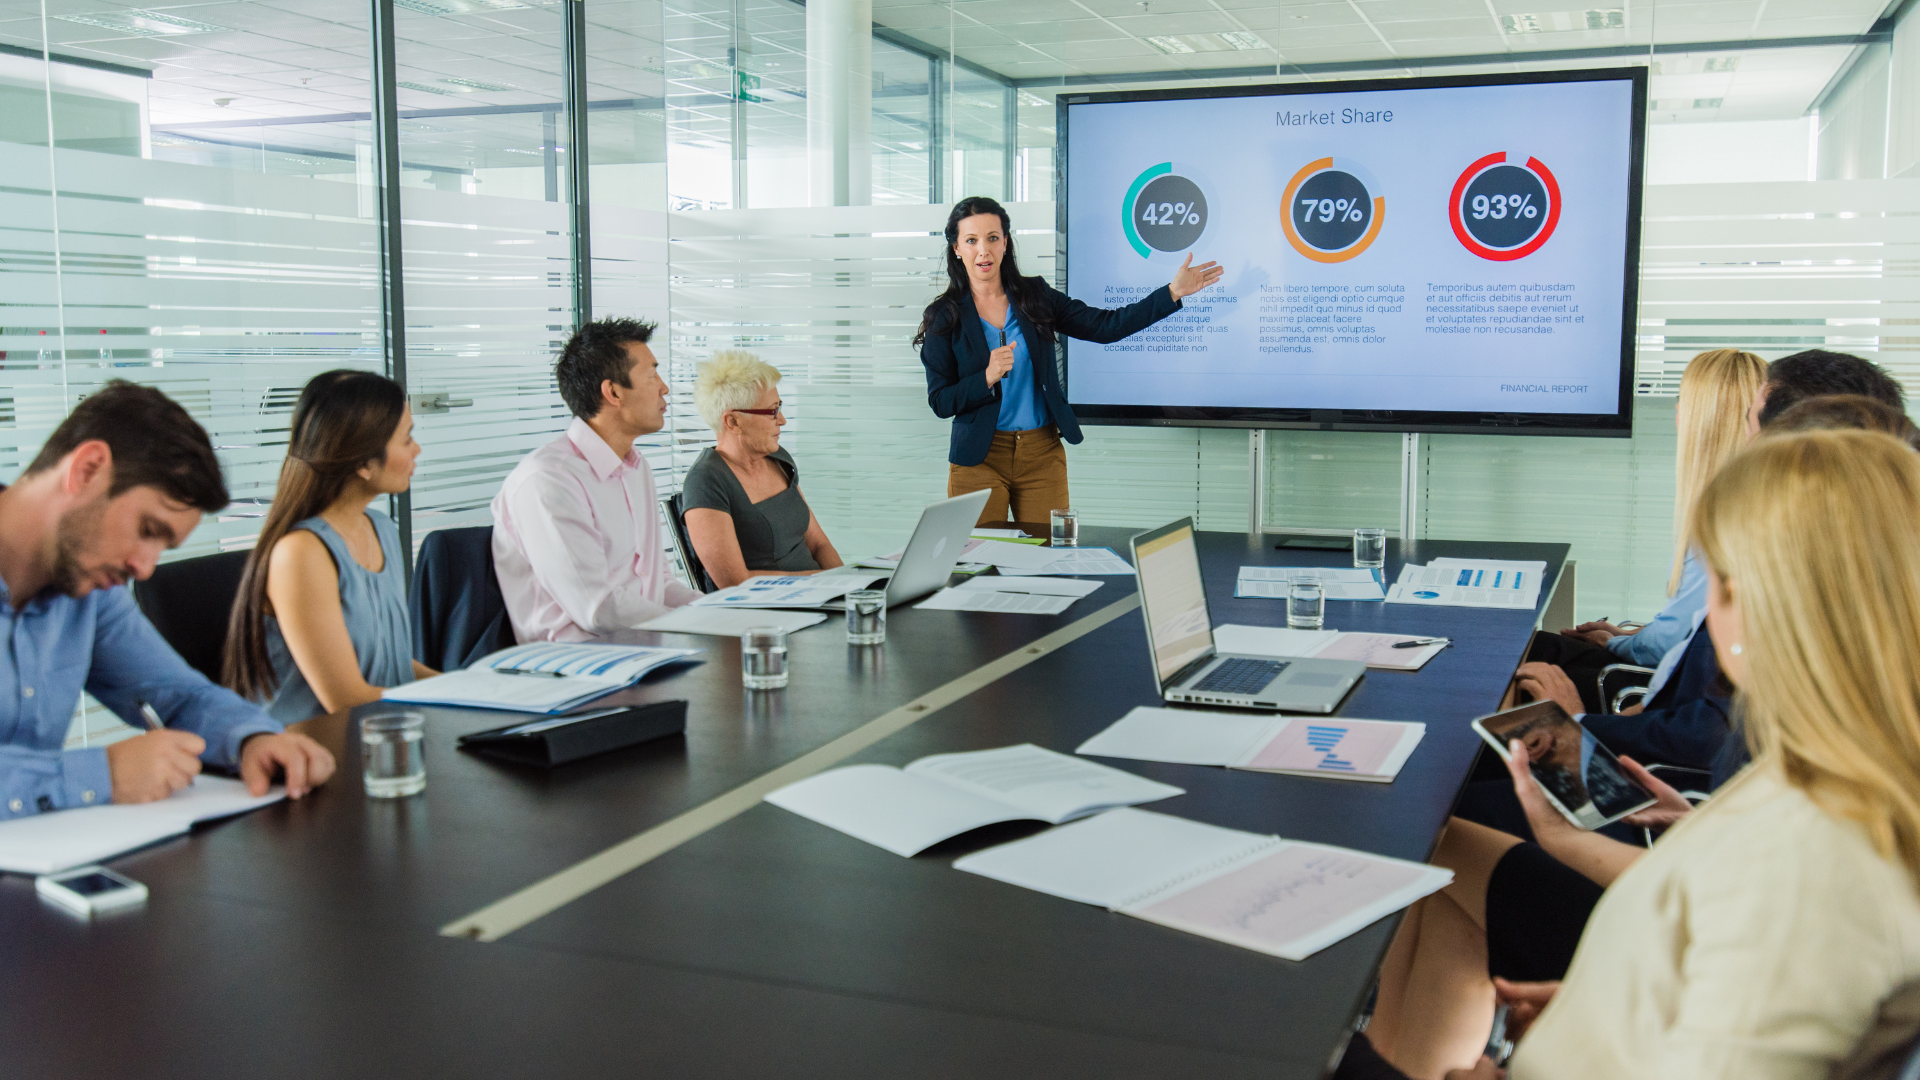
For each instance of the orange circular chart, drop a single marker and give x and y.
(1330, 211)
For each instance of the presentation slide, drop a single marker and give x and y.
(1433, 249)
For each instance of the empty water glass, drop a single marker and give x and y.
(1370, 547)
(763, 658)
(393, 753)
(1066, 527)
(867, 617)
(1306, 603)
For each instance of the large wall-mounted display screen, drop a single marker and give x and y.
(1451, 254)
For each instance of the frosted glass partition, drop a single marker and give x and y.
(226, 289)
(832, 296)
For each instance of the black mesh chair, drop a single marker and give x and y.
(189, 602)
(682, 544)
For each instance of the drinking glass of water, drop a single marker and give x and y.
(1066, 527)
(867, 617)
(1306, 603)
(393, 747)
(1370, 547)
(763, 658)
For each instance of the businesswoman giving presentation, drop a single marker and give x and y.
(988, 346)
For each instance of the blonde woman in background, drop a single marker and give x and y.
(745, 514)
(1757, 938)
(1710, 422)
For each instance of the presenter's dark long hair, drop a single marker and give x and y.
(344, 420)
(1023, 293)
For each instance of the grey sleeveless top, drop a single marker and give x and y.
(375, 606)
(773, 531)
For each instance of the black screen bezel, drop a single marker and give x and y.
(1618, 424)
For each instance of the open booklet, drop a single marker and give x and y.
(909, 810)
(800, 591)
(1032, 595)
(1339, 583)
(1281, 897)
(1373, 650)
(1352, 749)
(63, 839)
(547, 677)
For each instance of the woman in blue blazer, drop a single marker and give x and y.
(987, 345)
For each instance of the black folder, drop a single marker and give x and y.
(556, 740)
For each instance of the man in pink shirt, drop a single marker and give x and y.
(576, 526)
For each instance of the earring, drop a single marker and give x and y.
(1734, 648)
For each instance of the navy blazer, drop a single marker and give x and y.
(956, 363)
(1687, 723)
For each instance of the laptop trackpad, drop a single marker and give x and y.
(1312, 679)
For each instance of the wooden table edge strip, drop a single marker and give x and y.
(504, 916)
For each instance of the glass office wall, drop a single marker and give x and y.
(186, 209)
(193, 203)
(487, 242)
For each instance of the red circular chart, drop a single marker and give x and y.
(1504, 212)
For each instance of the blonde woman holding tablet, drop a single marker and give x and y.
(1756, 939)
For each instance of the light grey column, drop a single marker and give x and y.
(840, 102)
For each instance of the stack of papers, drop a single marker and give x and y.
(1342, 583)
(1013, 555)
(1091, 562)
(1491, 583)
(1030, 595)
(909, 810)
(1352, 749)
(1284, 898)
(544, 677)
(805, 591)
(730, 622)
(1373, 650)
(63, 839)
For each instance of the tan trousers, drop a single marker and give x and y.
(1025, 470)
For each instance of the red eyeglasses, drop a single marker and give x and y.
(775, 411)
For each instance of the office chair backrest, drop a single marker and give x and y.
(455, 605)
(189, 602)
(1890, 1050)
(683, 544)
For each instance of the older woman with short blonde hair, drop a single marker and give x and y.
(744, 511)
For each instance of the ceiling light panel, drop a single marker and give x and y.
(142, 23)
(1242, 40)
(469, 7)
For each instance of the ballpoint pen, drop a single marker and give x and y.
(1418, 642)
(152, 718)
(531, 671)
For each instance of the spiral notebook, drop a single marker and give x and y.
(1285, 898)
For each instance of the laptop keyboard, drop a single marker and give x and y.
(1240, 675)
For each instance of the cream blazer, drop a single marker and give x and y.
(1754, 941)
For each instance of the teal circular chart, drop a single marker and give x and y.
(1165, 211)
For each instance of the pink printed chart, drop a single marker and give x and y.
(1331, 746)
(1293, 901)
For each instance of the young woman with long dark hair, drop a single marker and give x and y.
(987, 345)
(320, 623)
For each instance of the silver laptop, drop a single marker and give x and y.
(931, 554)
(1180, 635)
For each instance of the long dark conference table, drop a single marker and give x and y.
(324, 938)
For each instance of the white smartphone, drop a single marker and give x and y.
(91, 890)
(1579, 775)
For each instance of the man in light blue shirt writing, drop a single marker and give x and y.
(125, 477)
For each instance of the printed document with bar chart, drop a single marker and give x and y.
(1351, 749)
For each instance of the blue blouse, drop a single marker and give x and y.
(1020, 406)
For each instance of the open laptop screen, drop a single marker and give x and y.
(1175, 600)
